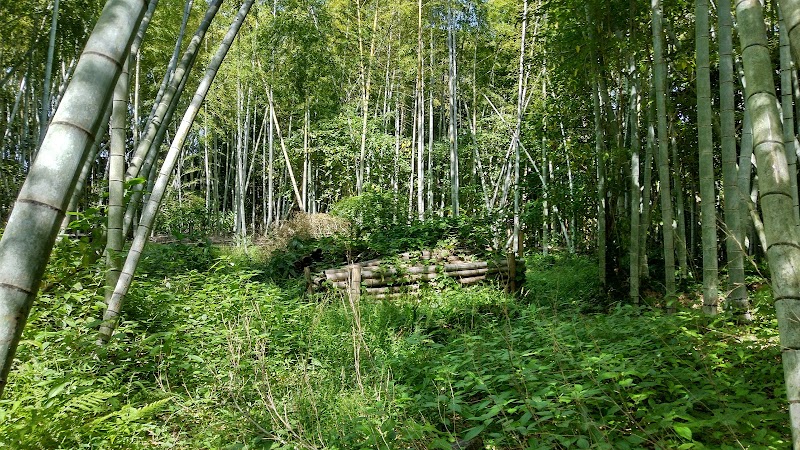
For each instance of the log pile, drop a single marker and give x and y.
(406, 273)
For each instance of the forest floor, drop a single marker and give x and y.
(214, 354)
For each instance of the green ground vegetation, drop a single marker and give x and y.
(214, 354)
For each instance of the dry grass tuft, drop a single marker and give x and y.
(303, 226)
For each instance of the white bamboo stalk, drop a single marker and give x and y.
(34, 222)
(151, 209)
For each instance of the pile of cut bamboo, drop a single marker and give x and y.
(405, 273)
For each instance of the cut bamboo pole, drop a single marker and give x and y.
(471, 280)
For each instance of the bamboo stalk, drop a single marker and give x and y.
(471, 280)
(474, 265)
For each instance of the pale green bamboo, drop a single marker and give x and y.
(48, 71)
(783, 251)
(151, 208)
(116, 183)
(734, 243)
(34, 222)
(636, 194)
(708, 199)
(789, 139)
(660, 75)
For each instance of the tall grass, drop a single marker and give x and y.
(213, 356)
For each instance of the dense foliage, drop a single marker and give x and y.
(211, 357)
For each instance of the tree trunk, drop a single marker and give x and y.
(453, 115)
(517, 130)
(601, 183)
(366, 78)
(660, 69)
(116, 183)
(274, 118)
(681, 241)
(34, 222)
(705, 140)
(635, 208)
(151, 209)
(734, 241)
(744, 175)
(48, 71)
(420, 121)
(789, 139)
(783, 251)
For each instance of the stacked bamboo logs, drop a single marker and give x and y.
(405, 274)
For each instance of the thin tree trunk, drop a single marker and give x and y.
(705, 140)
(274, 118)
(116, 183)
(518, 129)
(151, 209)
(431, 125)
(599, 137)
(420, 119)
(601, 183)
(680, 211)
(660, 69)
(453, 91)
(366, 74)
(271, 164)
(744, 174)
(635, 208)
(48, 71)
(734, 240)
(647, 181)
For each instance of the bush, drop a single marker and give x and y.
(190, 218)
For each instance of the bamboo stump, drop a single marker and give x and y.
(355, 283)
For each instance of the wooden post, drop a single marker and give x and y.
(355, 283)
(309, 281)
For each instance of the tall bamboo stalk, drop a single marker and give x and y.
(35, 220)
(151, 209)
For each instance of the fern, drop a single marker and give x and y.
(112, 378)
(129, 414)
(90, 403)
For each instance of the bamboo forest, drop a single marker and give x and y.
(400, 224)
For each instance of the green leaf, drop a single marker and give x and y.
(684, 432)
(474, 431)
(57, 390)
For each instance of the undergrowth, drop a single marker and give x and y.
(212, 356)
